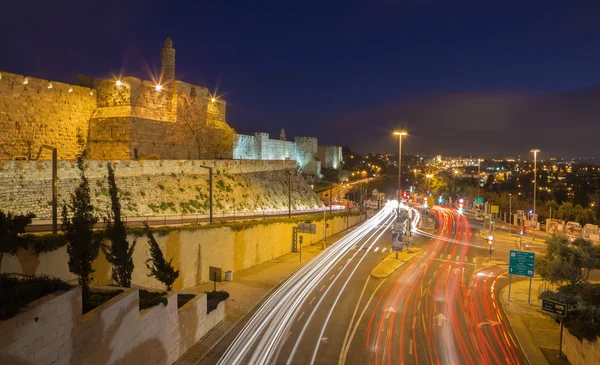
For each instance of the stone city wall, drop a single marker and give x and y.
(156, 187)
(580, 352)
(34, 112)
(330, 156)
(53, 331)
(192, 251)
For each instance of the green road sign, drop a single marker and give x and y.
(479, 200)
(553, 307)
(521, 263)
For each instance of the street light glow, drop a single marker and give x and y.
(158, 87)
(400, 133)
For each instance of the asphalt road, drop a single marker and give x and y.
(440, 307)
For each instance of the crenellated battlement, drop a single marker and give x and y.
(15, 83)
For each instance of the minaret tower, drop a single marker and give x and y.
(282, 134)
(167, 61)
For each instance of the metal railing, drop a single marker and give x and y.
(45, 224)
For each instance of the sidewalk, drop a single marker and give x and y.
(247, 289)
(537, 333)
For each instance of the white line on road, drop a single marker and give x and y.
(339, 268)
(300, 317)
(312, 300)
(376, 249)
(414, 322)
(419, 305)
(449, 256)
(323, 287)
(332, 276)
(456, 258)
(474, 260)
(410, 350)
(384, 249)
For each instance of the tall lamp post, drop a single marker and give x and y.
(535, 152)
(399, 134)
(429, 177)
(210, 191)
(510, 208)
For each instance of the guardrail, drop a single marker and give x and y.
(45, 224)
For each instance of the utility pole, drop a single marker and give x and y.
(399, 134)
(535, 152)
(510, 208)
(324, 226)
(478, 175)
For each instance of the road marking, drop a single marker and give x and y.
(449, 257)
(339, 268)
(419, 305)
(456, 259)
(410, 347)
(441, 255)
(474, 260)
(312, 300)
(376, 249)
(354, 248)
(332, 276)
(287, 336)
(384, 249)
(300, 317)
(414, 322)
(465, 259)
(323, 287)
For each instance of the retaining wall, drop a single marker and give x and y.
(580, 352)
(53, 331)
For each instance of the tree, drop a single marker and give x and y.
(207, 135)
(82, 245)
(567, 263)
(161, 269)
(119, 253)
(11, 230)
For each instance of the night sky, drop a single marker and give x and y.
(471, 77)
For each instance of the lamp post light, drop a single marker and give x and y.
(428, 176)
(399, 134)
(510, 208)
(210, 191)
(535, 152)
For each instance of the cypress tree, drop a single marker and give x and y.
(119, 253)
(159, 267)
(82, 246)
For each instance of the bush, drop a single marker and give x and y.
(149, 299)
(213, 298)
(98, 298)
(182, 299)
(583, 323)
(19, 292)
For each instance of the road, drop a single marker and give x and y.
(440, 307)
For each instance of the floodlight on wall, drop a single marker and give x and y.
(26, 81)
(118, 83)
(158, 87)
(70, 89)
(213, 99)
(49, 85)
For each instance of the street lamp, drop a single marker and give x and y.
(399, 134)
(535, 152)
(210, 191)
(510, 208)
(428, 176)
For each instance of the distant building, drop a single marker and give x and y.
(304, 150)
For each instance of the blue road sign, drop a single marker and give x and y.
(491, 251)
(407, 243)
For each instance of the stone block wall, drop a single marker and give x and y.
(155, 187)
(36, 111)
(580, 352)
(53, 331)
(330, 156)
(192, 251)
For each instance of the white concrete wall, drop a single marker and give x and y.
(53, 331)
(580, 352)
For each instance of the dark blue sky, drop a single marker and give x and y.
(462, 76)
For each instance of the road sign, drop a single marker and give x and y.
(479, 200)
(520, 214)
(397, 241)
(553, 307)
(495, 209)
(521, 263)
(309, 228)
(491, 251)
(407, 243)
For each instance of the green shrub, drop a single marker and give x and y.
(583, 323)
(97, 298)
(182, 299)
(149, 299)
(213, 298)
(19, 292)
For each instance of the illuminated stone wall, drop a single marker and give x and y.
(34, 112)
(330, 156)
(156, 188)
(260, 147)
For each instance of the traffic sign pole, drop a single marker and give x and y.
(529, 297)
(509, 285)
